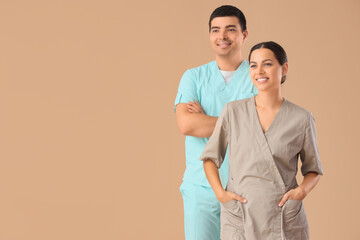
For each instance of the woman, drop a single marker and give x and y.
(265, 135)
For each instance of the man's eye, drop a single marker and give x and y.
(268, 64)
(232, 29)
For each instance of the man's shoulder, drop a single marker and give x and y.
(202, 68)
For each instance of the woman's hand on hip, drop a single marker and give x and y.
(294, 194)
(228, 196)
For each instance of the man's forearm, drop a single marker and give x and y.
(194, 124)
(201, 125)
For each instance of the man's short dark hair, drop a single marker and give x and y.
(228, 11)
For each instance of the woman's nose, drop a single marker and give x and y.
(260, 70)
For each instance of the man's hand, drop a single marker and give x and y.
(196, 125)
(195, 107)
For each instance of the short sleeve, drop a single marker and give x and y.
(215, 148)
(309, 153)
(187, 89)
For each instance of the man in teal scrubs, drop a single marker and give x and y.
(203, 92)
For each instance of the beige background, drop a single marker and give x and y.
(89, 148)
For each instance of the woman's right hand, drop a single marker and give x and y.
(227, 196)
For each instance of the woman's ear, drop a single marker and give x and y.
(285, 67)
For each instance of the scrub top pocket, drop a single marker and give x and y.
(295, 223)
(232, 220)
(231, 205)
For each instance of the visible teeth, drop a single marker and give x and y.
(261, 79)
(224, 44)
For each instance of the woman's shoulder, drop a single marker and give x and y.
(240, 104)
(298, 111)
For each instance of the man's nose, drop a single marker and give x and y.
(223, 34)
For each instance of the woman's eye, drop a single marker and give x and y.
(268, 64)
(252, 66)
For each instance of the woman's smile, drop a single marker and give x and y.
(262, 79)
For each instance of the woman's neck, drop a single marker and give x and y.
(269, 100)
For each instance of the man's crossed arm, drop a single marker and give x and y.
(192, 120)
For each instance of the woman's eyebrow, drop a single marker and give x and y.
(262, 60)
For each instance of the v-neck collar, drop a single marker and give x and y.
(274, 121)
(220, 81)
(263, 143)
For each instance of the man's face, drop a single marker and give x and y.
(226, 36)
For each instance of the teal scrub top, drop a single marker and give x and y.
(206, 85)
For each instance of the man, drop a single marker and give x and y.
(202, 93)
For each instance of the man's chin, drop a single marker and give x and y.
(223, 54)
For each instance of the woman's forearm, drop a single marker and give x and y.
(309, 182)
(299, 193)
(212, 174)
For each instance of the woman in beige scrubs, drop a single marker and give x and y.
(264, 136)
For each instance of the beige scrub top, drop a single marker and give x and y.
(263, 166)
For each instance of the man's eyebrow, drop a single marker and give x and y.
(229, 26)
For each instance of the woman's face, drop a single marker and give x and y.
(265, 70)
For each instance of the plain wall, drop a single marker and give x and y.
(89, 147)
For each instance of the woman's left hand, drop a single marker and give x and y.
(294, 194)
